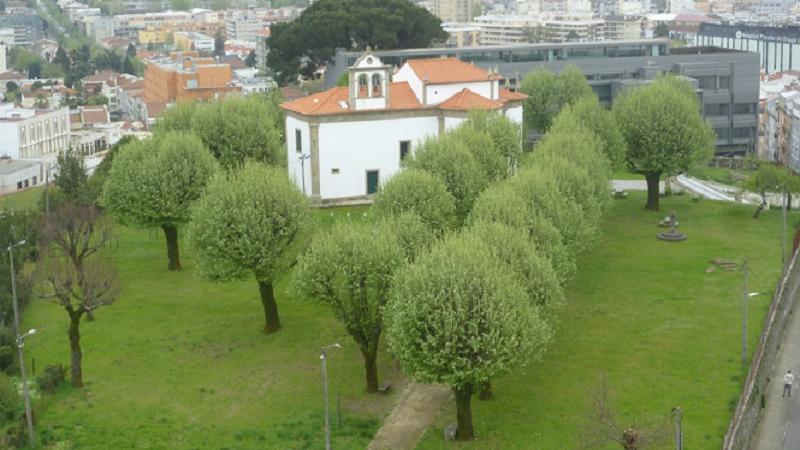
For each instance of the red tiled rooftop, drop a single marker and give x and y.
(465, 100)
(401, 97)
(448, 70)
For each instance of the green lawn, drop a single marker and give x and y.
(27, 199)
(180, 363)
(644, 313)
(722, 175)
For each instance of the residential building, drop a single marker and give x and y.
(244, 27)
(3, 65)
(27, 25)
(462, 35)
(99, 27)
(724, 76)
(626, 28)
(344, 142)
(33, 135)
(7, 37)
(190, 40)
(186, 76)
(16, 175)
(262, 50)
(153, 36)
(453, 10)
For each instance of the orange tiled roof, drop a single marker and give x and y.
(330, 102)
(448, 70)
(508, 96)
(465, 100)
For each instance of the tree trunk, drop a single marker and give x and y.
(270, 307)
(486, 390)
(90, 315)
(371, 369)
(796, 240)
(652, 190)
(788, 201)
(464, 432)
(75, 349)
(171, 233)
(761, 206)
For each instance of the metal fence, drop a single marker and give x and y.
(748, 409)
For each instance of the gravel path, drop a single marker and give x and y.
(416, 409)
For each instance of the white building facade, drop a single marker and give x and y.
(33, 135)
(342, 144)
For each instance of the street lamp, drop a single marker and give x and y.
(21, 344)
(323, 355)
(303, 158)
(746, 295)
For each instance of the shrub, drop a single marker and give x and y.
(9, 400)
(51, 378)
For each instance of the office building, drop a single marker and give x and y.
(186, 76)
(727, 79)
(28, 27)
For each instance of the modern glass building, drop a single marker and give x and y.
(727, 79)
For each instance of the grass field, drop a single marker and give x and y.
(180, 363)
(644, 313)
(27, 199)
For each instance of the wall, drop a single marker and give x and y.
(514, 114)
(8, 182)
(437, 93)
(406, 74)
(9, 140)
(294, 165)
(357, 146)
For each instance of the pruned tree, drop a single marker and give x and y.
(663, 130)
(450, 159)
(250, 221)
(589, 113)
(480, 144)
(504, 203)
(419, 192)
(604, 427)
(72, 273)
(350, 269)
(456, 316)
(506, 135)
(153, 183)
(548, 93)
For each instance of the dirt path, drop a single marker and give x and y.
(417, 407)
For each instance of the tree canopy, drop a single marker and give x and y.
(457, 316)
(304, 44)
(548, 93)
(664, 131)
(505, 134)
(250, 221)
(419, 192)
(351, 269)
(589, 113)
(153, 183)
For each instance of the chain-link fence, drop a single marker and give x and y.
(745, 417)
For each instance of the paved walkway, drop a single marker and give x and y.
(416, 409)
(779, 427)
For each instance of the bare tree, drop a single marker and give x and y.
(71, 271)
(604, 426)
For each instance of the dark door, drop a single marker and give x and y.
(372, 181)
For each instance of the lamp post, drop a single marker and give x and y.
(746, 294)
(677, 414)
(324, 357)
(303, 158)
(21, 344)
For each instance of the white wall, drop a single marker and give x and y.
(8, 183)
(437, 93)
(9, 140)
(358, 146)
(514, 114)
(452, 122)
(406, 74)
(294, 165)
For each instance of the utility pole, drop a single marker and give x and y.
(20, 345)
(745, 295)
(677, 413)
(324, 357)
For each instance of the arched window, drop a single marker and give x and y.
(376, 85)
(363, 83)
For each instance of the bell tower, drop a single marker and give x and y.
(370, 80)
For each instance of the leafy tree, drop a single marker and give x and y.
(72, 273)
(418, 192)
(14, 227)
(770, 177)
(251, 59)
(131, 51)
(661, 30)
(35, 69)
(543, 191)
(588, 113)
(154, 183)
(97, 100)
(12, 87)
(52, 70)
(177, 118)
(180, 5)
(449, 159)
(504, 203)
(61, 58)
(548, 93)
(663, 130)
(80, 66)
(240, 128)
(351, 269)
(457, 316)
(71, 177)
(250, 221)
(505, 134)
(493, 163)
(344, 80)
(304, 44)
(219, 44)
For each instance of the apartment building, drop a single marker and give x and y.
(186, 76)
(36, 136)
(27, 25)
(244, 27)
(190, 40)
(453, 10)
